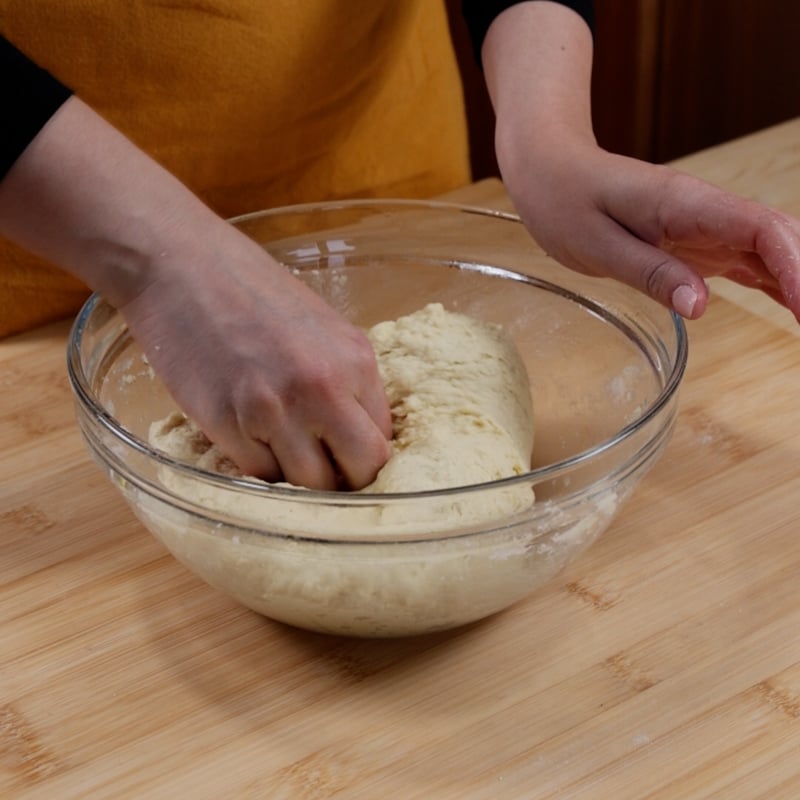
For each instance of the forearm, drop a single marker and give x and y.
(604, 214)
(84, 197)
(537, 59)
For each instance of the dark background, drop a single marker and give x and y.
(670, 76)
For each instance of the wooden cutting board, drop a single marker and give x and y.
(665, 663)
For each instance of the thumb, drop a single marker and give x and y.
(668, 280)
(656, 272)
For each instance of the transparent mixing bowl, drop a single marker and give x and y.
(605, 364)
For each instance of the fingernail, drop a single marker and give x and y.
(684, 299)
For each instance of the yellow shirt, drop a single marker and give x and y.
(251, 103)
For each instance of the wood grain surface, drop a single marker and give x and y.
(665, 663)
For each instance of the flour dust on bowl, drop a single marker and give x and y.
(604, 362)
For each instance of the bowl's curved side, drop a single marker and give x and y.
(375, 589)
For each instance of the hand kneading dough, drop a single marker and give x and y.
(462, 415)
(388, 565)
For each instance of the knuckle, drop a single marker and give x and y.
(256, 406)
(313, 378)
(324, 378)
(774, 224)
(361, 353)
(657, 277)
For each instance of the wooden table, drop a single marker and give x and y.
(665, 663)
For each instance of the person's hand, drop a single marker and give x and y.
(284, 385)
(603, 214)
(656, 229)
(281, 382)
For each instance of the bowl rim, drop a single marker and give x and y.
(89, 403)
(376, 203)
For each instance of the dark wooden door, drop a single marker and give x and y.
(671, 76)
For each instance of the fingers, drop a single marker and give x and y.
(655, 228)
(334, 430)
(374, 402)
(745, 268)
(304, 460)
(254, 458)
(352, 452)
(778, 244)
(656, 272)
(700, 231)
(352, 460)
(359, 450)
(319, 418)
(719, 233)
(756, 247)
(322, 439)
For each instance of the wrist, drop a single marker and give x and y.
(164, 244)
(540, 155)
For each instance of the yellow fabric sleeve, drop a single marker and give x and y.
(252, 104)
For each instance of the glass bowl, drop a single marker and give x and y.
(605, 364)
